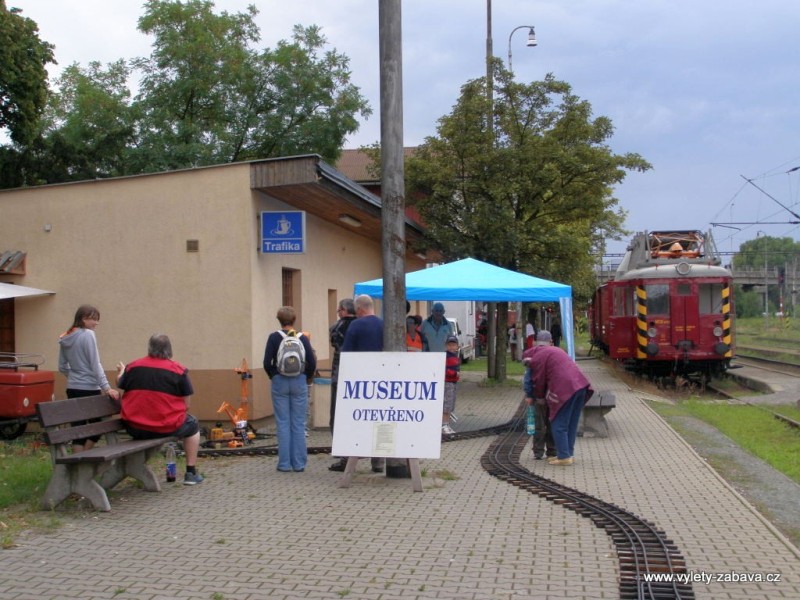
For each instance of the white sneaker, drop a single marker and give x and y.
(447, 429)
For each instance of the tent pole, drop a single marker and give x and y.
(491, 335)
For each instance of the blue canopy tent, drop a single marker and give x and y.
(471, 279)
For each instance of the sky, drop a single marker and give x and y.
(706, 91)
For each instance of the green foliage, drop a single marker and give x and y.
(747, 303)
(766, 251)
(775, 255)
(207, 95)
(23, 77)
(528, 193)
(89, 124)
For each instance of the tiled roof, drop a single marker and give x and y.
(355, 164)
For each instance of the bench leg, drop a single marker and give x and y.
(79, 479)
(594, 422)
(58, 489)
(134, 465)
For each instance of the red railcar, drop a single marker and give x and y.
(669, 309)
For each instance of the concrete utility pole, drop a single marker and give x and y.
(491, 323)
(392, 185)
(390, 32)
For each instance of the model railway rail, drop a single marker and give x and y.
(643, 549)
(272, 449)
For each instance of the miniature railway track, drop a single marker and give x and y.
(642, 548)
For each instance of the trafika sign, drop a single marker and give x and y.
(389, 404)
(283, 232)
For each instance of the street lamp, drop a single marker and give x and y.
(531, 41)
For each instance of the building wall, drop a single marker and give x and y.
(334, 261)
(121, 245)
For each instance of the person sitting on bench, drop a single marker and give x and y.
(155, 401)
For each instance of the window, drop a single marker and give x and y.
(710, 298)
(624, 302)
(657, 299)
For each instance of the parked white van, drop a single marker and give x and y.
(466, 347)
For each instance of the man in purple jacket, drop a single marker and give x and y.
(558, 380)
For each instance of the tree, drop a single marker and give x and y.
(531, 192)
(23, 77)
(775, 255)
(89, 123)
(762, 251)
(208, 97)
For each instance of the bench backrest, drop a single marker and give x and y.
(53, 415)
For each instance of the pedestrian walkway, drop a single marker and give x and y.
(249, 532)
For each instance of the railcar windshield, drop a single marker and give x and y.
(657, 299)
(710, 298)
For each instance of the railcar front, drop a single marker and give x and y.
(673, 320)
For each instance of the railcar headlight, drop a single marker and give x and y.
(651, 331)
(683, 268)
(717, 331)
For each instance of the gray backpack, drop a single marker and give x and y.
(291, 358)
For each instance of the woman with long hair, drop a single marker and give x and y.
(79, 360)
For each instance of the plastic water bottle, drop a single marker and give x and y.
(172, 467)
(531, 420)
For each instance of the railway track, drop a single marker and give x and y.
(643, 550)
(768, 364)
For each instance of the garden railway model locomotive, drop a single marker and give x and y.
(668, 311)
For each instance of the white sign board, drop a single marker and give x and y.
(389, 404)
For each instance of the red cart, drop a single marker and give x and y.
(22, 387)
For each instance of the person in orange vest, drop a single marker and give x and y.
(413, 336)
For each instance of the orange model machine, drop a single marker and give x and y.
(240, 435)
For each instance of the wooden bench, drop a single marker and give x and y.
(91, 472)
(593, 417)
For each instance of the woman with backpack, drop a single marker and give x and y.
(290, 364)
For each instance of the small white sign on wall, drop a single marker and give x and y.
(389, 404)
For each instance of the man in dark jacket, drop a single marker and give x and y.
(347, 314)
(565, 388)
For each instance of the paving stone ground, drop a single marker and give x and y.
(249, 532)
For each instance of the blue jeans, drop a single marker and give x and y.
(290, 402)
(565, 424)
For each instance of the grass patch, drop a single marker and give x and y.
(751, 427)
(767, 337)
(24, 472)
(479, 365)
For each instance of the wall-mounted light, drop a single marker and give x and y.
(348, 220)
